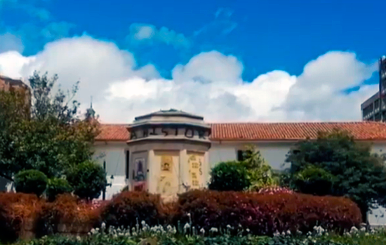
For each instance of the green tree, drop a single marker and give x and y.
(259, 172)
(346, 166)
(229, 176)
(49, 136)
(88, 179)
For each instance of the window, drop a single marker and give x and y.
(127, 164)
(240, 155)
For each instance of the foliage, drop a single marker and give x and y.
(264, 214)
(57, 186)
(88, 180)
(16, 209)
(31, 181)
(66, 209)
(314, 180)
(49, 136)
(168, 236)
(13, 112)
(128, 208)
(259, 172)
(229, 176)
(336, 160)
(274, 190)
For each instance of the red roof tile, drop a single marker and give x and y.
(267, 131)
(113, 132)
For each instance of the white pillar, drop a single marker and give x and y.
(154, 172)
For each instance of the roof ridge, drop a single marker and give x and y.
(307, 122)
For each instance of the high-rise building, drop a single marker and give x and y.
(374, 108)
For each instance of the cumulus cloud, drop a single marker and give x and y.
(210, 84)
(150, 33)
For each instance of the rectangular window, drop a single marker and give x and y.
(127, 164)
(240, 155)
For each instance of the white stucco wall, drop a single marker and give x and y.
(114, 153)
(273, 152)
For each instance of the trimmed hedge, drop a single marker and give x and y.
(129, 208)
(57, 186)
(31, 181)
(17, 209)
(261, 214)
(266, 214)
(66, 215)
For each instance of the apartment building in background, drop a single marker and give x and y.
(10, 84)
(374, 108)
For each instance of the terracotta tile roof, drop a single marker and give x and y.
(267, 131)
(113, 132)
(295, 131)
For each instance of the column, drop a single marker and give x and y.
(183, 177)
(206, 172)
(154, 172)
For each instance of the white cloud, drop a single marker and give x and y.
(150, 33)
(210, 84)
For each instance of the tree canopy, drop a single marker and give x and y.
(335, 164)
(49, 134)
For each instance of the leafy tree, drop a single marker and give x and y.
(31, 181)
(50, 136)
(347, 166)
(229, 176)
(259, 172)
(88, 180)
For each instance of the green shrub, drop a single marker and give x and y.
(57, 186)
(259, 172)
(88, 179)
(229, 176)
(314, 180)
(31, 181)
(115, 237)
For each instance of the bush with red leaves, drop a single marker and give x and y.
(66, 209)
(275, 190)
(16, 209)
(265, 214)
(128, 208)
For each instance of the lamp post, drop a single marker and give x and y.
(107, 184)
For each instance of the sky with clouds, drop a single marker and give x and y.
(225, 60)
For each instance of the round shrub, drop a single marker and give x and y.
(314, 180)
(229, 176)
(31, 181)
(130, 207)
(57, 186)
(88, 179)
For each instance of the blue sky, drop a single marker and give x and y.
(263, 35)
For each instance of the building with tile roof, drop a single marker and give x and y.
(137, 151)
(169, 152)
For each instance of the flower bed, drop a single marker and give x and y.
(255, 213)
(159, 235)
